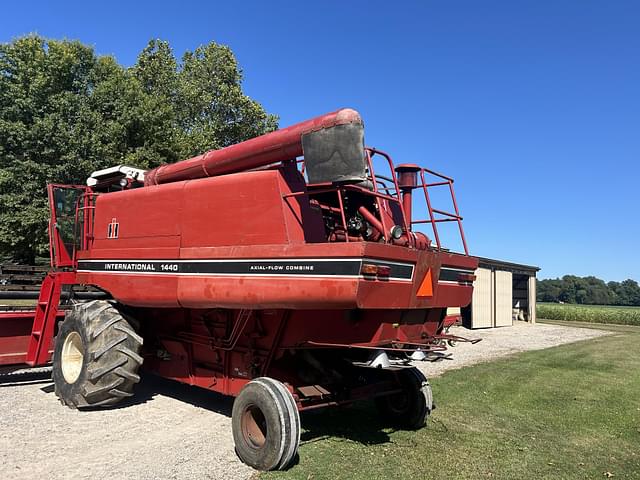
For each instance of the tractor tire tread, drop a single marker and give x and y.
(96, 373)
(111, 359)
(129, 332)
(133, 377)
(293, 420)
(93, 392)
(97, 331)
(95, 355)
(282, 438)
(131, 354)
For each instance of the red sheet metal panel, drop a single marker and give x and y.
(305, 276)
(15, 332)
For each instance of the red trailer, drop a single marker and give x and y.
(281, 270)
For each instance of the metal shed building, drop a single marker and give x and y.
(503, 292)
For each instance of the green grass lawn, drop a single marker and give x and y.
(589, 313)
(570, 412)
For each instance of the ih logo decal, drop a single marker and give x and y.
(113, 229)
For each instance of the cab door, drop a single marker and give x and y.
(66, 223)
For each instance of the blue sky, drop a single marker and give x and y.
(532, 106)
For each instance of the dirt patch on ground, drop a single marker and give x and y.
(173, 431)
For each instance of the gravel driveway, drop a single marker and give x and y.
(167, 431)
(173, 431)
(499, 342)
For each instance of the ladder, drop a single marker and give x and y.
(38, 351)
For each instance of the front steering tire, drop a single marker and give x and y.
(266, 425)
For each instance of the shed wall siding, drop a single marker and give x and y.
(503, 298)
(482, 301)
(532, 299)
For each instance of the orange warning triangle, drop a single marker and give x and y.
(426, 287)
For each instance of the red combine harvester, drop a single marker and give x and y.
(281, 270)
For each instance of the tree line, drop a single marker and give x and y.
(588, 291)
(66, 111)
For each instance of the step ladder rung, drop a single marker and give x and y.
(39, 347)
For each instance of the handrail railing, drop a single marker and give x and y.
(85, 208)
(448, 216)
(387, 193)
(370, 153)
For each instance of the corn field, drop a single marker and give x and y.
(589, 313)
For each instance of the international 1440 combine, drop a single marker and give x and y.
(281, 270)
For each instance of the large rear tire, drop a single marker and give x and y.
(266, 425)
(409, 408)
(96, 356)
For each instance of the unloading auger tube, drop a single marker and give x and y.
(284, 144)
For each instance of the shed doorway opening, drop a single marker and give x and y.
(503, 293)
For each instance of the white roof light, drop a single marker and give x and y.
(115, 174)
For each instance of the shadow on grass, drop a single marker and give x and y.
(358, 423)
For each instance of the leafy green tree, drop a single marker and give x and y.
(588, 290)
(211, 104)
(65, 112)
(549, 290)
(626, 292)
(597, 292)
(569, 290)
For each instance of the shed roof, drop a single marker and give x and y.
(510, 266)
